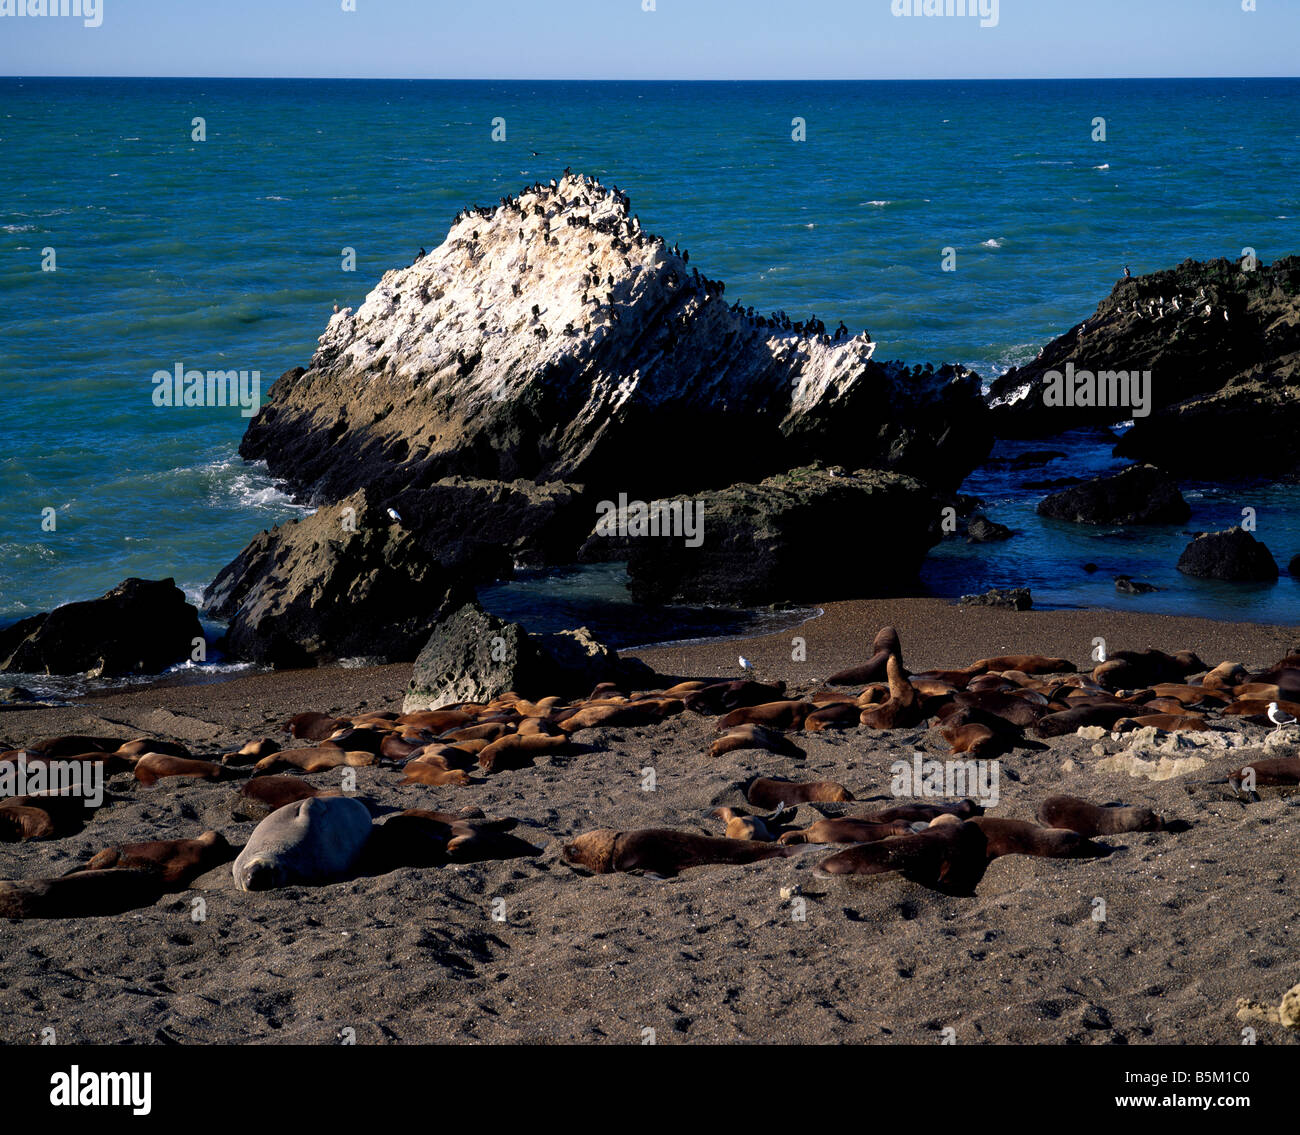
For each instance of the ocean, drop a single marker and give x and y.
(228, 253)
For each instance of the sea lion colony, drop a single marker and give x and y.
(310, 835)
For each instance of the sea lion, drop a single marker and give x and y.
(845, 831)
(741, 825)
(420, 838)
(153, 767)
(885, 645)
(769, 793)
(661, 851)
(1257, 707)
(722, 697)
(1010, 707)
(82, 894)
(1132, 669)
(771, 715)
(141, 745)
(1025, 663)
(948, 856)
(1093, 819)
(436, 720)
(443, 756)
(754, 737)
(307, 842)
(489, 731)
(923, 813)
(1165, 722)
(1269, 772)
(974, 737)
(1072, 720)
(517, 750)
(177, 860)
(314, 760)
(74, 743)
(19, 823)
(111, 763)
(314, 726)
(364, 739)
(624, 715)
(903, 708)
(1017, 837)
(64, 811)
(838, 715)
(1225, 676)
(251, 752)
(262, 795)
(432, 775)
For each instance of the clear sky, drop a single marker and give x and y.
(679, 39)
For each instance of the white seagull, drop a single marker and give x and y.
(392, 514)
(745, 663)
(1279, 716)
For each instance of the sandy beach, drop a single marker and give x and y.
(1194, 919)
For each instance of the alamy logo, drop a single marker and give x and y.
(951, 779)
(89, 12)
(76, 1088)
(1129, 389)
(656, 518)
(181, 387)
(66, 778)
(986, 10)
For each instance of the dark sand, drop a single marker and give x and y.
(1195, 920)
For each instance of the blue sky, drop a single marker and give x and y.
(680, 39)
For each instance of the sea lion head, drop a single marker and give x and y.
(592, 850)
(260, 873)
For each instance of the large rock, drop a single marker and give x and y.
(812, 533)
(475, 656)
(142, 626)
(344, 582)
(1140, 494)
(1232, 554)
(550, 339)
(1223, 348)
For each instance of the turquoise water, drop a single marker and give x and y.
(227, 254)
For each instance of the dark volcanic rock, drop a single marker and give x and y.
(475, 656)
(142, 626)
(1232, 554)
(634, 375)
(982, 530)
(1140, 494)
(1012, 599)
(1293, 568)
(1130, 586)
(345, 582)
(1223, 348)
(803, 535)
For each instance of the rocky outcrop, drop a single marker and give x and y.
(142, 626)
(1223, 348)
(809, 534)
(1008, 599)
(475, 656)
(982, 530)
(1140, 494)
(550, 339)
(347, 581)
(1232, 554)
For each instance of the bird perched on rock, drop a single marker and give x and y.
(392, 515)
(1278, 716)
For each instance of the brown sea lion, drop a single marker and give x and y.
(141, 745)
(1165, 722)
(83, 894)
(922, 813)
(437, 720)
(314, 760)
(722, 697)
(768, 793)
(974, 737)
(111, 763)
(418, 772)
(610, 716)
(1093, 819)
(74, 743)
(1017, 837)
(420, 838)
(363, 739)
(489, 731)
(19, 823)
(177, 860)
(1071, 720)
(1268, 772)
(1133, 669)
(771, 715)
(1025, 663)
(661, 851)
(884, 646)
(742, 825)
(153, 767)
(948, 857)
(517, 750)
(903, 709)
(754, 737)
(1255, 707)
(1010, 707)
(838, 715)
(314, 726)
(443, 756)
(846, 831)
(262, 795)
(252, 752)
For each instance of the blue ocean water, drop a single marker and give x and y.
(227, 253)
